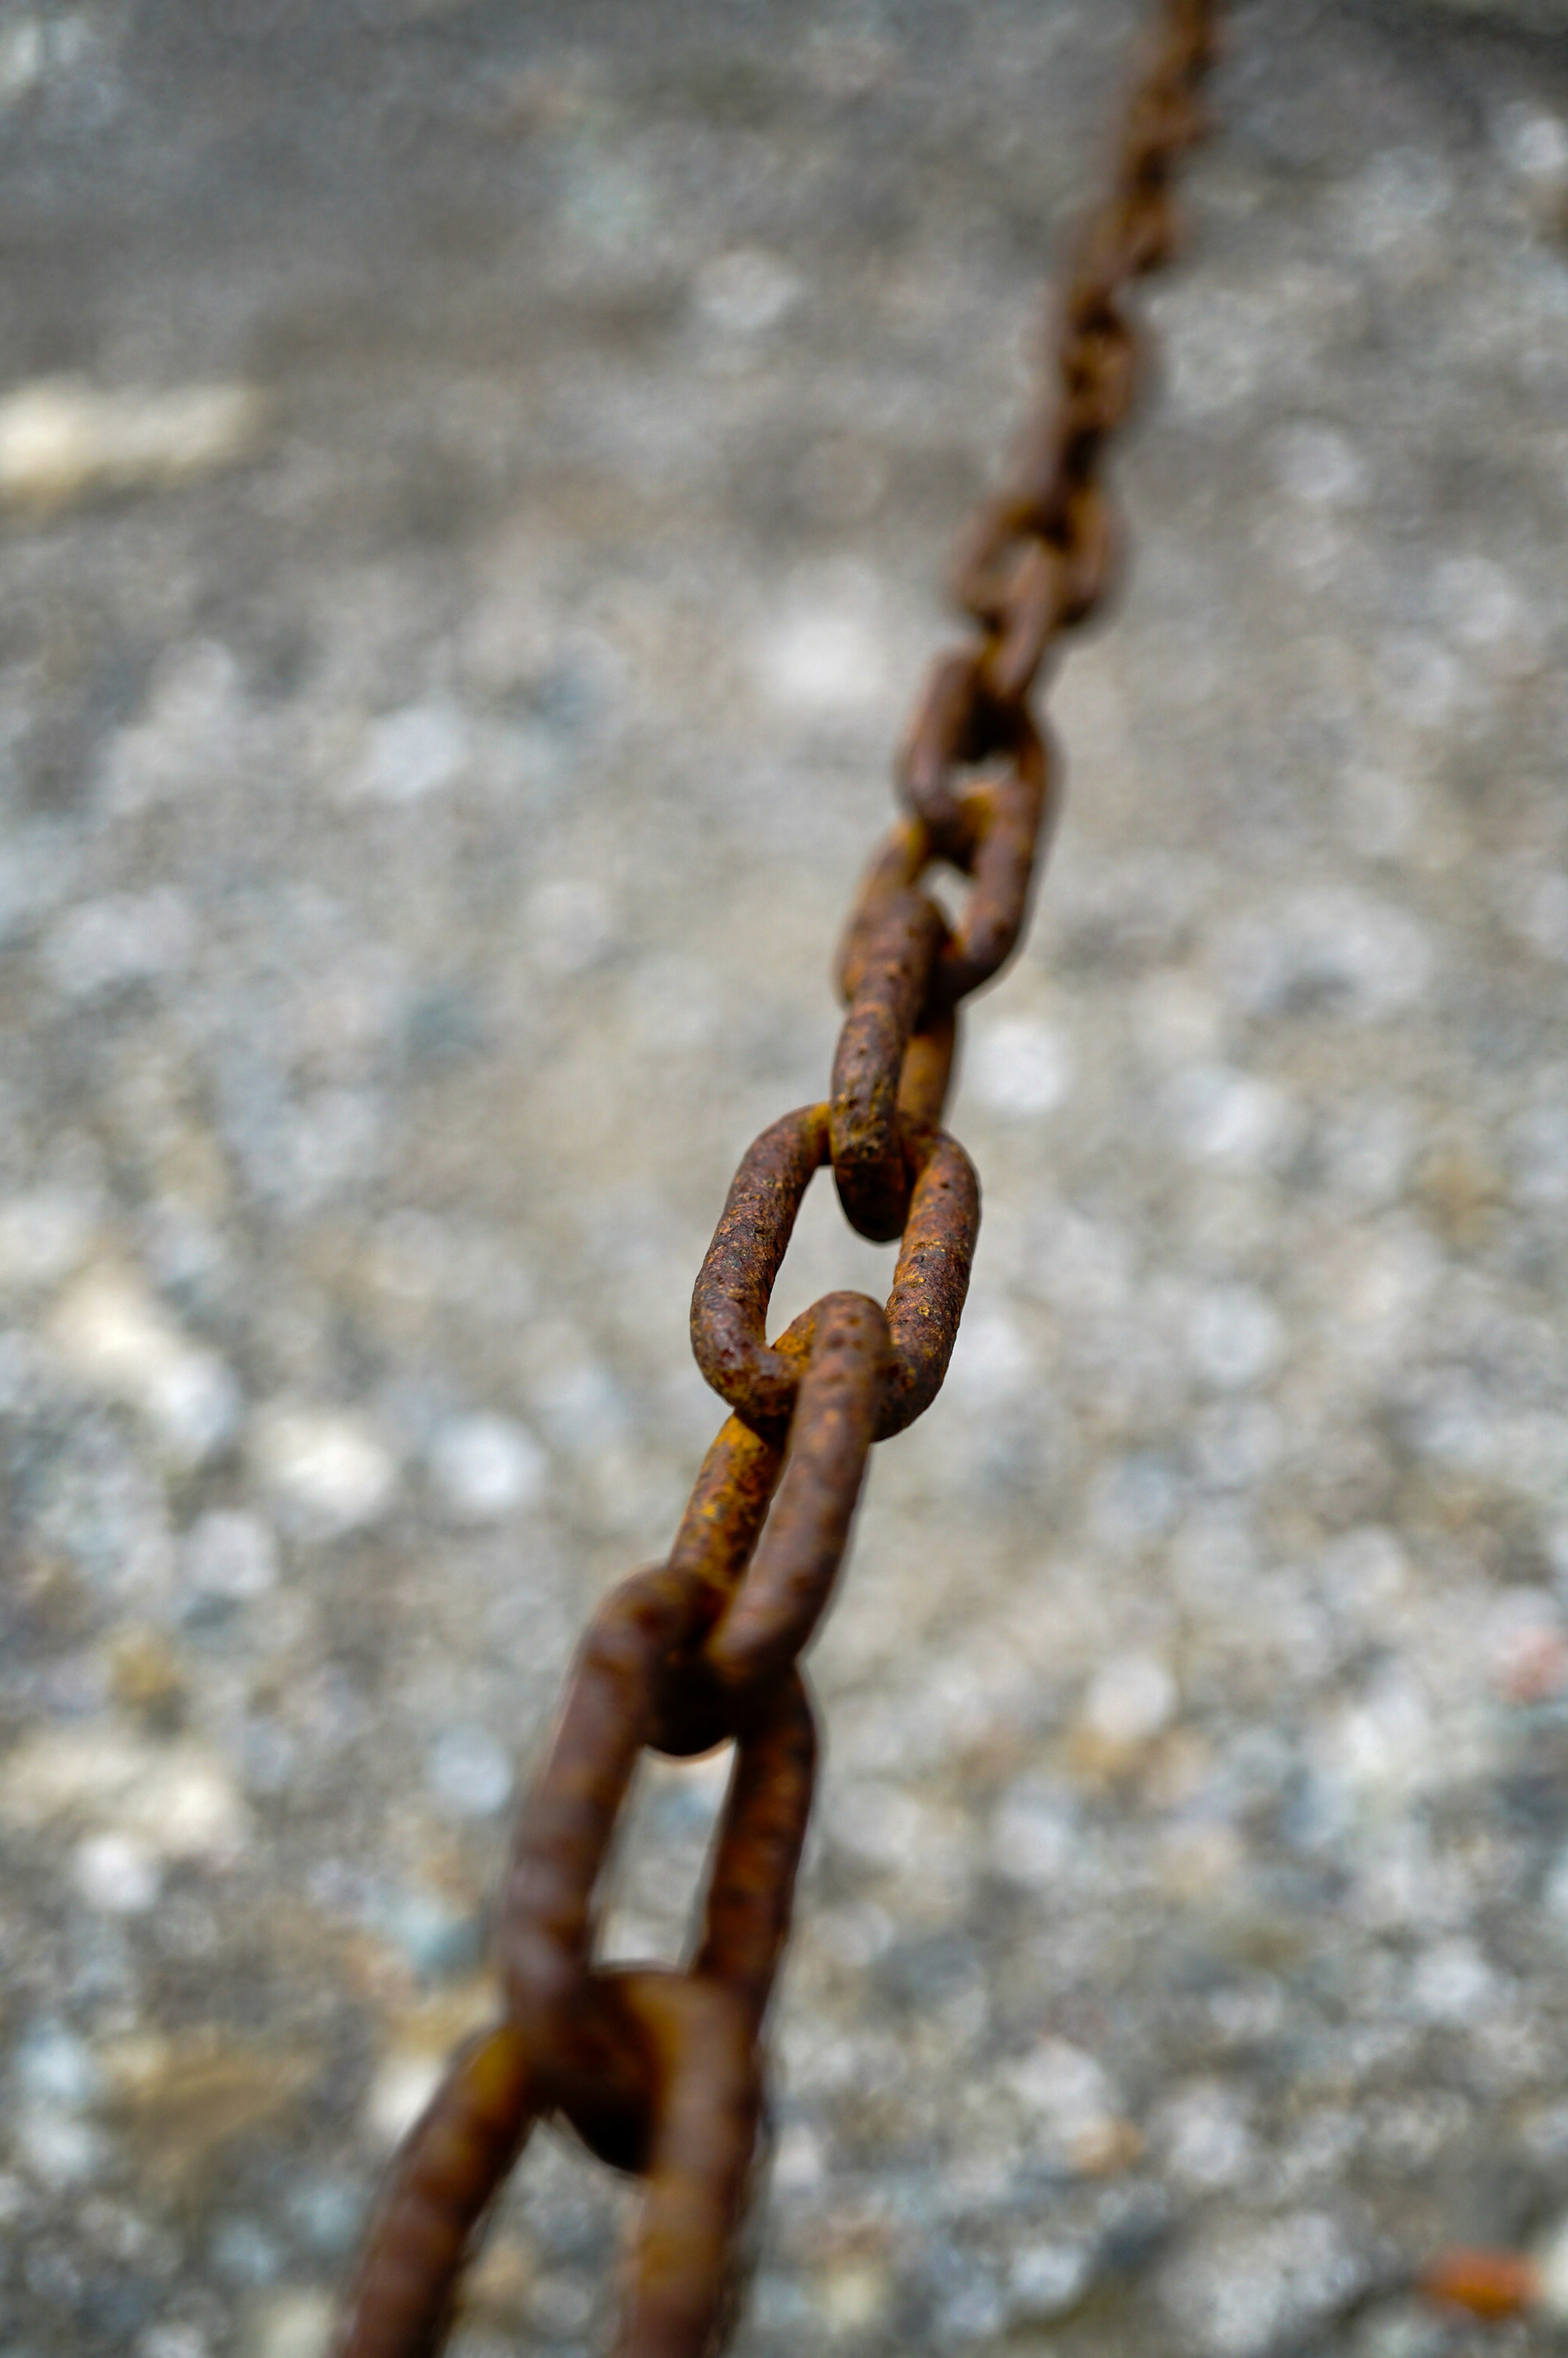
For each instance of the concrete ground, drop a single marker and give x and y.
(477, 481)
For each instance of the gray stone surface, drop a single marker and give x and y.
(476, 485)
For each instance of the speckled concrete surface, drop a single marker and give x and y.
(454, 628)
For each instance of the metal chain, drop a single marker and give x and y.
(660, 2071)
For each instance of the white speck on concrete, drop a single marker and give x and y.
(1486, 615)
(1229, 1120)
(53, 2067)
(745, 291)
(1131, 1700)
(1533, 141)
(1365, 1570)
(411, 754)
(799, 2163)
(175, 2340)
(879, 1822)
(23, 57)
(1133, 1499)
(126, 937)
(992, 1361)
(1552, 2263)
(1215, 352)
(971, 2311)
(1235, 1335)
(244, 2253)
(44, 1237)
(484, 1468)
(295, 2323)
(1048, 2280)
(230, 1554)
(1533, 904)
(1240, 2287)
(1453, 1984)
(573, 1394)
(1377, 812)
(327, 1469)
(193, 1403)
(116, 1874)
(1321, 466)
(568, 925)
(1333, 949)
(1398, 196)
(1201, 2134)
(191, 722)
(825, 653)
(38, 867)
(1175, 1020)
(1081, 1266)
(115, 1336)
(1065, 2087)
(560, 2304)
(399, 2094)
(62, 438)
(470, 1771)
(1032, 1832)
(674, 1003)
(176, 1796)
(1382, 1743)
(56, 2148)
(1019, 1067)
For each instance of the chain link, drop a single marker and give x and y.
(659, 2071)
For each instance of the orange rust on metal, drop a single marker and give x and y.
(751, 1886)
(791, 1575)
(717, 1539)
(928, 1071)
(728, 1507)
(1001, 820)
(653, 2070)
(709, 2100)
(931, 1279)
(659, 2071)
(945, 729)
(893, 962)
(730, 1301)
(450, 2166)
(931, 1276)
(991, 831)
(565, 1828)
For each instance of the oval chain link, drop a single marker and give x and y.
(659, 2071)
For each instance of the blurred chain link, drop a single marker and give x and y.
(659, 2071)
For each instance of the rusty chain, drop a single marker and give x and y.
(659, 2071)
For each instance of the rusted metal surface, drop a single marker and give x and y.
(659, 2072)
(451, 2162)
(941, 1220)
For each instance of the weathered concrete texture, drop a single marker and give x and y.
(1535, 15)
(476, 483)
